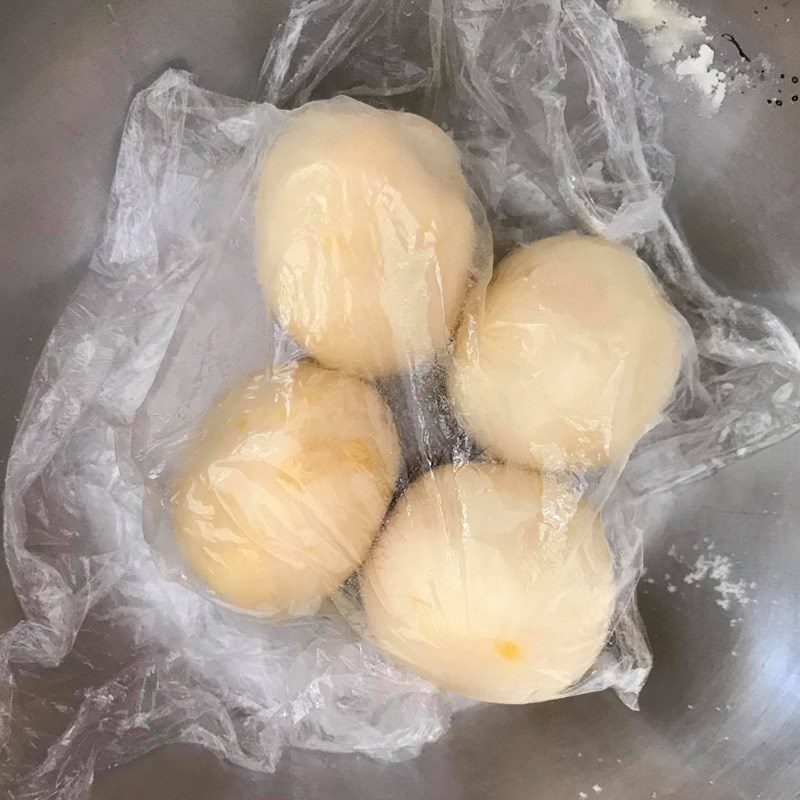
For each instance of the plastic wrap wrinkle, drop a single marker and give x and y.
(118, 655)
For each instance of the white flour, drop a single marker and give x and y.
(699, 69)
(718, 569)
(668, 31)
(666, 27)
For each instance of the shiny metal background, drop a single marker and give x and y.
(720, 716)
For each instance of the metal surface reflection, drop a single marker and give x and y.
(719, 716)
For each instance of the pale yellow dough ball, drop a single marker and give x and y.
(286, 487)
(491, 581)
(366, 240)
(570, 359)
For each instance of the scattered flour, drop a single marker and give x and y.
(666, 27)
(668, 31)
(719, 569)
(711, 566)
(699, 69)
(597, 789)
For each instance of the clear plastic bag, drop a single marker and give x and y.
(121, 651)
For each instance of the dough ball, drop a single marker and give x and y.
(286, 488)
(571, 357)
(365, 236)
(491, 581)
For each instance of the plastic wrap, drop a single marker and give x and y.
(121, 650)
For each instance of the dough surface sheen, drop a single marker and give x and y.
(491, 581)
(284, 490)
(570, 359)
(366, 240)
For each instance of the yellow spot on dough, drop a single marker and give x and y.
(509, 650)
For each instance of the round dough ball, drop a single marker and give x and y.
(284, 491)
(492, 581)
(365, 236)
(571, 357)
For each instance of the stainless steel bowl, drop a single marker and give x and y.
(720, 715)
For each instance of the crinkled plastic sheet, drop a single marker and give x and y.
(114, 658)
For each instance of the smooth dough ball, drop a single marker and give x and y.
(365, 236)
(492, 581)
(285, 489)
(570, 359)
